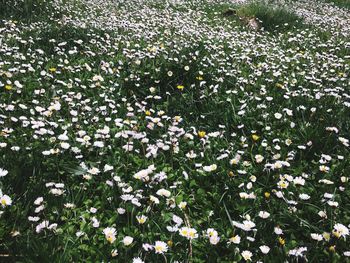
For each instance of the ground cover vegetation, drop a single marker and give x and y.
(173, 131)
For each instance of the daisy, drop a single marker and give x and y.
(141, 219)
(340, 230)
(160, 247)
(235, 239)
(127, 240)
(264, 249)
(5, 200)
(264, 214)
(189, 233)
(259, 158)
(247, 255)
(3, 172)
(137, 260)
(110, 233)
(316, 237)
(163, 192)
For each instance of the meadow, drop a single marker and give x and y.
(174, 131)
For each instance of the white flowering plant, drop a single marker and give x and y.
(173, 131)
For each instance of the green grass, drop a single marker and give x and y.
(26, 10)
(231, 92)
(340, 3)
(273, 18)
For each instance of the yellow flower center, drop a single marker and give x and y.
(141, 220)
(255, 137)
(158, 248)
(191, 234)
(281, 241)
(336, 234)
(201, 134)
(110, 238)
(184, 232)
(180, 87)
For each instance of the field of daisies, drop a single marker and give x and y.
(174, 131)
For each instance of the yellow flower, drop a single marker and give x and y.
(281, 241)
(234, 161)
(255, 137)
(336, 233)
(180, 87)
(152, 49)
(148, 113)
(52, 70)
(267, 194)
(279, 85)
(201, 134)
(199, 78)
(231, 174)
(8, 87)
(326, 236)
(170, 243)
(324, 169)
(177, 118)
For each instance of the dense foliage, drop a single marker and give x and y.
(166, 131)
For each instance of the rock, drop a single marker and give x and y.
(253, 24)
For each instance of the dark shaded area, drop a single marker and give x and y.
(27, 10)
